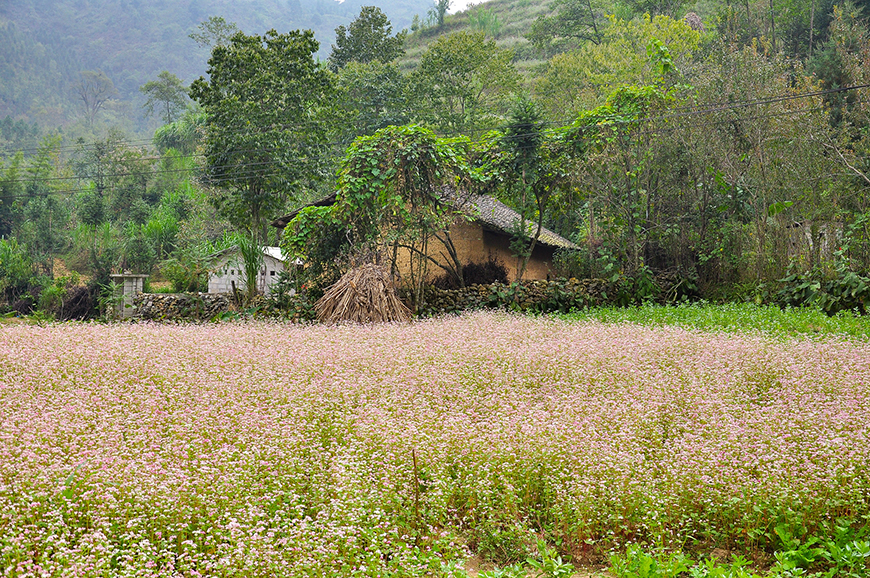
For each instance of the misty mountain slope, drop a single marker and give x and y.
(45, 43)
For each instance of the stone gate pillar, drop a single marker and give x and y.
(128, 285)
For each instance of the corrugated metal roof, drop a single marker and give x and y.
(274, 252)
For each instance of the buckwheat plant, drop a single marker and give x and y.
(268, 449)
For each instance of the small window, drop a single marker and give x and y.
(233, 272)
(271, 273)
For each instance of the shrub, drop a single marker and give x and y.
(79, 304)
(845, 290)
(16, 270)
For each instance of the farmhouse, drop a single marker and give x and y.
(484, 233)
(228, 268)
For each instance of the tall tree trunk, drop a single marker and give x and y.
(772, 27)
(455, 267)
(597, 39)
(540, 203)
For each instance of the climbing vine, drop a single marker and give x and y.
(396, 189)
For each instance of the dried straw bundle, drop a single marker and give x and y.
(364, 294)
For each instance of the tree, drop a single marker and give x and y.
(266, 101)
(167, 94)
(630, 53)
(391, 199)
(372, 96)
(462, 80)
(573, 20)
(533, 164)
(438, 11)
(214, 32)
(45, 213)
(365, 40)
(94, 89)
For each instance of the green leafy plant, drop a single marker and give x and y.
(54, 293)
(252, 263)
(849, 560)
(636, 563)
(550, 563)
(504, 543)
(645, 287)
(109, 298)
(712, 568)
(796, 554)
(844, 290)
(512, 571)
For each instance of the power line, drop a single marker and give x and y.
(275, 170)
(242, 152)
(690, 111)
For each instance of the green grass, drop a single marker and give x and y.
(516, 18)
(736, 318)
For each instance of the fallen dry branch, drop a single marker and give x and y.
(364, 294)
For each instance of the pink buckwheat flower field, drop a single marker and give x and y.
(269, 449)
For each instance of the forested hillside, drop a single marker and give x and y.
(45, 43)
(724, 146)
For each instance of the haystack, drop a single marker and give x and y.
(365, 294)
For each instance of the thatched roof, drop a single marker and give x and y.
(485, 209)
(497, 216)
(364, 294)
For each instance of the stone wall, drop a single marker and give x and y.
(535, 296)
(181, 306)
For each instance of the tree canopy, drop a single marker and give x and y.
(464, 79)
(94, 89)
(167, 96)
(365, 40)
(573, 19)
(267, 107)
(215, 31)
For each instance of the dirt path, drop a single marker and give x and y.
(475, 565)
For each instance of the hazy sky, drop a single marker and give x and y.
(457, 5)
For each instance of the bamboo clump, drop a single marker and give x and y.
(365, 294)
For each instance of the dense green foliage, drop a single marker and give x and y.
(727, 149)
(735, 318)
(266, 105)
(366, 39)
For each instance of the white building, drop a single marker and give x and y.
(228, 268)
